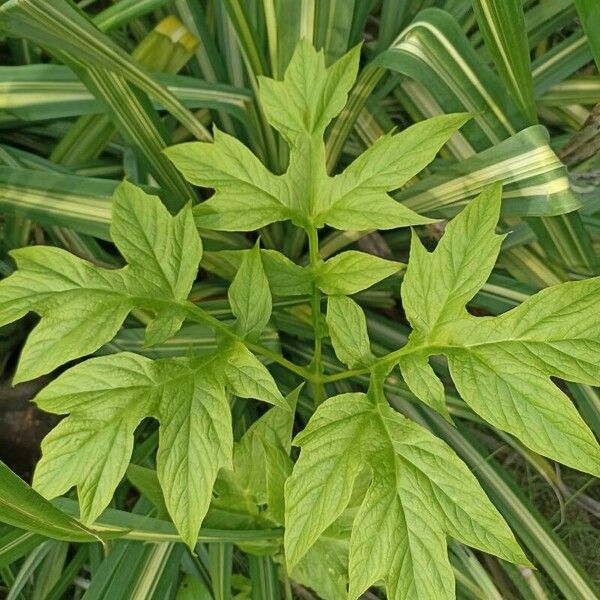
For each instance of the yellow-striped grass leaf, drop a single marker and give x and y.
(60, 26)
(534, 180)
(503, 27)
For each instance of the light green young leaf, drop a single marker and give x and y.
(352, 271)
(106, 398)
(306, 179)
(248, 196)
(358, 196)
(250, 297)
(163, 251)
(502, 366)
(555, 333)
(195, 442)
(285, 277)
(247, 377)
(438, 285)
(83, 306)
(310, 95)
(260, 464)
(423, 382)
(348, 331)
(420, 493)
(321, 483)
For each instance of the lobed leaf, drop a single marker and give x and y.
(420, 493)
(502, 365)
(310, 95)
(82, 306)
(358, 197)
(195, 442)
(107, 397)
(248, 196)
(438, 285)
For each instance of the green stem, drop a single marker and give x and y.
(344, 375)
(313, 373)
(315, 304)
(383, 363)
(195, 313)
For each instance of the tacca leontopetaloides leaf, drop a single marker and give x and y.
(420, 493)
(502, 366)
(82, 306)
(250, 296)
(248, 196)
(346, 273)
(348, 332)
(107, 397)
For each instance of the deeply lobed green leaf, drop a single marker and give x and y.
(82, 306)
(248, 196)
(107, 397)
(502, 365)
(420, 493)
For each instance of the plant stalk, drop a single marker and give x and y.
(315, 304)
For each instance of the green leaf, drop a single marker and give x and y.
(261, 464)
(437, 286)
(309, 95)
(83, 306)
(106, 398)
(503, 27)
(23, 507)
(250, 296)
(423, 382)
(247, 377)
(420, 493)
(502, 366)
(163, 252)
(247, 194)
(285, 277)
(348, 331)
(359, 198)
(321, 483)
(352, 271)
(195, 442)
(555, 333)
